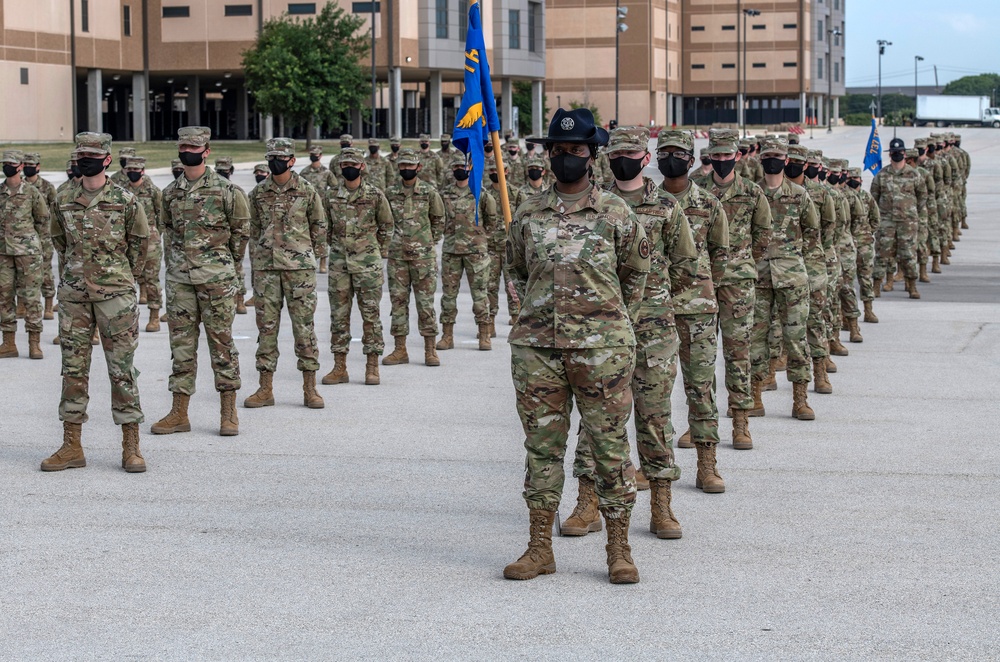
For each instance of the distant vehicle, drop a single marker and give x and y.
(946, 110)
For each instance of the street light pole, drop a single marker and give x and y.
(882, 43)
(916, 58)
(744, 104)
(620, 27)
(829, 77)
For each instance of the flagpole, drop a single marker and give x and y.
(502, 177)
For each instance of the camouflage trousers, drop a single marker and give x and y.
(898, 244)
(117, 319)
(934, 232)
(817, 335)
(493, 288)
(271, 290)
(421, 276)
(848, 274)
(150, 278)
(48, 280)
(736, 304)
(698, 349)
(792, 310)
(831, 313)
(21, 275)
(366, 287)
(945, 228)
(652, 383)
(548, 381)
(240, 273)
(214, 306)
(866, 266)
(923, 235)
(476, 267)
(775, 342)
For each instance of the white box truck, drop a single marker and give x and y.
(946, 110)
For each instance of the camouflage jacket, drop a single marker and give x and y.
(102, 243)
(901, 195)
(65, 185)
(673, 261)
(391, 171)
(965, 160)
(287, 225)
(529, 191)
(418, 220)
(48, 192)
(710, 229)
(498, 241)
(361, 227)
(827, 210)
(705, 180)
(872, 220)
(932, 208)
(374, 172)
(795, 239)
(431, 168)
(321, 178)
(518, 175)
(150, 197)
(602, 175)
(750, 168)
(851, 213)
(205, 224)
(749, 219)
(24, 219)
(579, 273)
(461, 234)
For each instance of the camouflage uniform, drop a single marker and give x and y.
(832, 314)
(151, 198)
(120, 178)
(527, 191)
(847, 253)
(515, 164)
(375, 167)
(497, 247)
(205, 224)
(821, 275)
(901, 196)
(103, 243)
(48, 192)
(432, 168)
(929, 223)
(391, 163)
(24, 219)
(360, 228)
(418, 218)
(321, 178)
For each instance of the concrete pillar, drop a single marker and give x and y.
(140, 108)
(507, 105)
(740, 110)
(357, 128)
(836, 110)
(673, 102)
(267, 127)
(802, 107)
(194, 101)
(396, 95)
(95, 94)
(242, 116)
(434, 99)
(537, 105)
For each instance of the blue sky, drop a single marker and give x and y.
(959, 36)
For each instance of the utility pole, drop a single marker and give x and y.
(743, 100)
(882, 43)
(916, 58)
(374, 5)
(620, 27)
(829, 77)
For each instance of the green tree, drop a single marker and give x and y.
(309, 70)
(982, 85)
(522, 99)
(591, 107)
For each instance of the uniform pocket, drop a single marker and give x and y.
(519, 376)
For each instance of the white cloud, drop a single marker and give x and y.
(964, 23)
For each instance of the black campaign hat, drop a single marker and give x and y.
(897, 145)
(573, 126)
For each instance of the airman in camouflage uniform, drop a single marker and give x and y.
(821, 274)
(514, 162)
(176, 168)
(119, 177)
(703, 175)
(261, 172)
(748, 217)
(287, 223)
(151, 198)
(944, 152)
(498, 247)
(697, 308)
(939, 202)
(901, 196)
(391, 164)
(534, 167)
(100, 229)
(965, 161)
(224, 168)
(32, 166)
(466, 248)
(375, 166)
(579, 255)
(782, 277)
(929, 225)
(673, 265)
(847, 255)
(361, 226)
(865, 241)
(418, 223)
(205, 221)
(431, 166)
(322, 178)
(24, 219)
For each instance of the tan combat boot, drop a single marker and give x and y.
(852, 326)
(757, 387)
(924, 278)
(241, 306)
(844, 326)
(430, 355)
(154, 321)
(831, 367)
(19, 312)
(493, 328)
(911, 287)
(164, 318)
(96, 338)
(70, 454)
(684, 441)
(837, 348)
(899, 274)
(823, 384)
(742, 441)
(585, 517)
(310, 398)
(708, 479)
(339, 373)
(398, 354)
(55, 341)
(936, 264)
(870, 317)
(447, 337)
(771, 383)
(371, 370)
(49, 313)
(323, 265)
(485, 344)
(538, 558)
(965, 225)
(800, 402)
(34, 348)
(229, 422)
(621, 568)
(143, 297)
(781, 363)
(251, 302)
(177, 419)
(264, 396)
(132, 460)
(945, 255)
(8, 350)
(662, 521)
(641, 482)
(888, 283)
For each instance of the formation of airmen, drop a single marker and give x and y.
(610, 280)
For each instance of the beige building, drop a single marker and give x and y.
(139, 69)
(682, 61)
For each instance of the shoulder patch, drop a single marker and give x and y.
(644, 249)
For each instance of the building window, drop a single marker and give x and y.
(760, 27)
(239, 10)
(728, 27)
(176, 12)
(24, 75)
(728, 66)
(836, 72)
(697, 66)
(301, 7)
(759, 65)
(463, 19)
(515, 29)
(534, 23)
(790, 26)
(84, 15)
(819, 68)
(820, 30)
(791, 65)
(836, 5)
(126, 20)
(697, 28)
(441, 19)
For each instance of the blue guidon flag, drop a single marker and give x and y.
(873, 157)
(477, 116)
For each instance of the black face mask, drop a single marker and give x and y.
(930, 150)
(191, 158)
(177, 173)
(408, 175)
(488, 148)
(445, 144)
(314, 158)
(920, 152)
(373, 149)
(744, 151)
(833, 179)
(461, 174)
(350, 173)
(812, 171)
(534, 174)
(854, 184)
(625, 169)
(897, 156)
(225, 173)
(123, 161)
(134, 177)
(277, 166)
(344, 145)
(794, 169)
(822, 176)
(90, 166)
(569, 168)
(9, 170)
(495, 178)
(723, 168)
(706, 161)
(394, 148)
(424, 145)
(260, 178)
(30, 171)
(76, 172)
(512, 152)
(773, 165)
(69, 175)
(671, 167)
